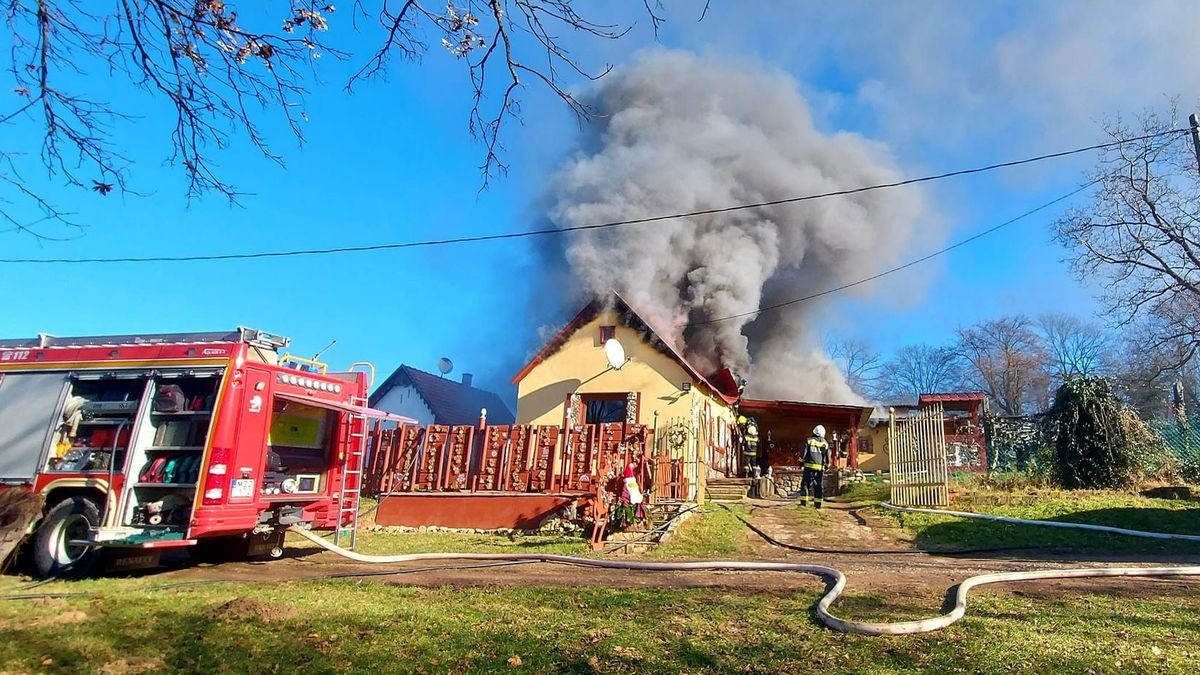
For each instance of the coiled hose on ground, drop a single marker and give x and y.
(834, 590)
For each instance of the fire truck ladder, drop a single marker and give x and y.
(355, 443)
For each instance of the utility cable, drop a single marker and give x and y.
(582, 228)
(898, 268)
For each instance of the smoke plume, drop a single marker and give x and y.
(682, 133)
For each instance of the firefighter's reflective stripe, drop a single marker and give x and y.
(815, 467)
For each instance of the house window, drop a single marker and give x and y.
(864, 446)
(605, 408)
(607, 333)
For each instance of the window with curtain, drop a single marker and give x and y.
(605, 410)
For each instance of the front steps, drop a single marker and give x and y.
(661, 521)
(727, 489)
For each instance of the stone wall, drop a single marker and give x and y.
(787, 483)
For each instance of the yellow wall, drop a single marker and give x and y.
(580, 366)
(878, 460)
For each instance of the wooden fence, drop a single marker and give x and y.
(503, 458)
(917, 457)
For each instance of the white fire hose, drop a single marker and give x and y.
(839, 579)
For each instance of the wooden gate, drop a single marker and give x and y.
(917, 458)
(676, 469)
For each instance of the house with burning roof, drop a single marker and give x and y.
(570, 383)
(430, 399)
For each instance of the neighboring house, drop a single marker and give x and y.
(965, 443)
(430, 399)
(873, 445)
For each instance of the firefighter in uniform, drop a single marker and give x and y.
(749, 443)
(815, 459)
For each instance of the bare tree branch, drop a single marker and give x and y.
(1141, 233)
(919, 369)
(859, 362)
(225, 76)
(1008, 362)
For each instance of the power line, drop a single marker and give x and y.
(906, 265)
(581, 228)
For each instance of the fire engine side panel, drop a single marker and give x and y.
(241, 428)
(29, 405)
(250, 443)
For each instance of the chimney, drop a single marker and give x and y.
(466, 379)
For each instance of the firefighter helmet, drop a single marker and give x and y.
(819, 431)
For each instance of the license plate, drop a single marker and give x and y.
(242, 487)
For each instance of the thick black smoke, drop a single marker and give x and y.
(684, 133)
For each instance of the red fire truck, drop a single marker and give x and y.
(140, 443)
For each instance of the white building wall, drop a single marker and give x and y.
(405, 401)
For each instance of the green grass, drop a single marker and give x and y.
(867, 491)
(394, 543)
(368, 627)
(1016, 500)
(715, 532)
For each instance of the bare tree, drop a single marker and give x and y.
(919, 369)
(1150, 379)
(859, 362)
(1141, 234)
(1007, 361)
(225, 73)
(1073, 347)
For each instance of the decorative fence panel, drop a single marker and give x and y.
(431, 462)
(494, 457)
(545, 450)
(675, 467)
(458, 458)
(501, 458)
(516, 471)
(919, 467)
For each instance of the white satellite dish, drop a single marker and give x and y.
(615, 353)
(445, 365)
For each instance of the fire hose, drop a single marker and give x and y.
(830, 574)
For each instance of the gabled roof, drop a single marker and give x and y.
(722, 383)
(954, 401)
(451, 401)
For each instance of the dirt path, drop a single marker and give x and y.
(904, 576)
(903, 571)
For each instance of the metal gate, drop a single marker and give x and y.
(917, 458)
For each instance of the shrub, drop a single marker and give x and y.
(1093, 444)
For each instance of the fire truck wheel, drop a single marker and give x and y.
(53, 553)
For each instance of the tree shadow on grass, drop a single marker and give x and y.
(1036, 542)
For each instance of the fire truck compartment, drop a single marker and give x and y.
(28, 402)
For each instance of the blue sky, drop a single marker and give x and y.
(942, 85)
